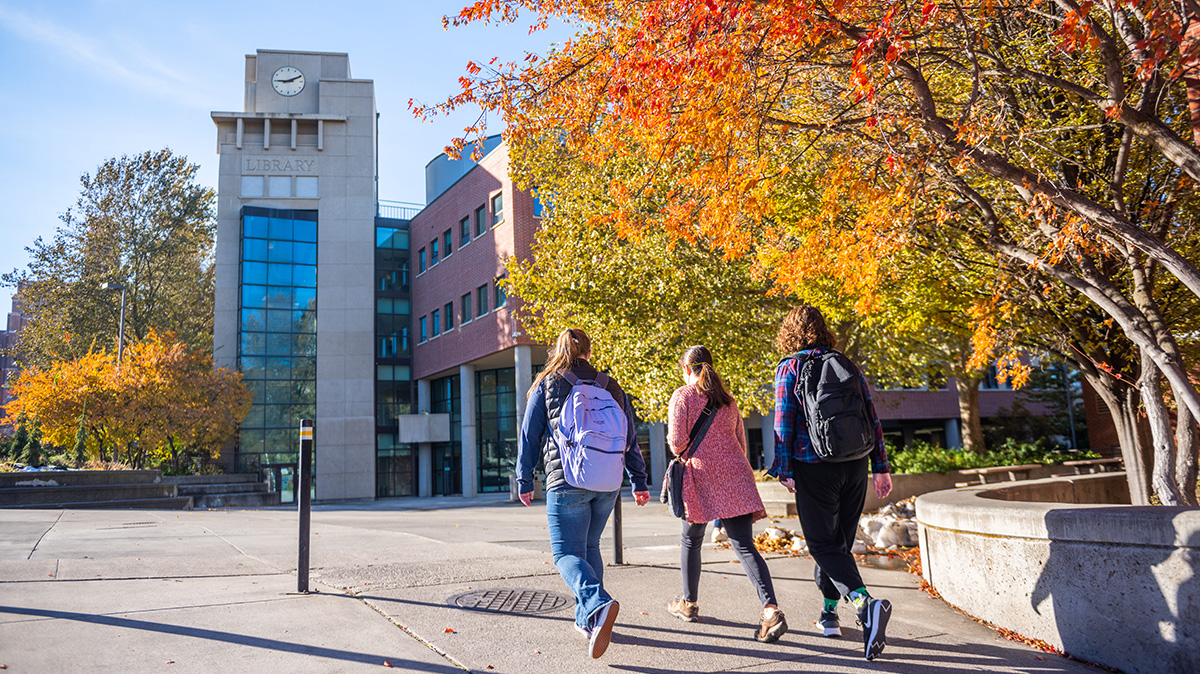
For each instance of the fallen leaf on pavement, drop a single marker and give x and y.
(449, 631)
(644, 613)
(387, 663)
(490, 667)
(170, 662)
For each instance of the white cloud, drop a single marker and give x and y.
(139, 70)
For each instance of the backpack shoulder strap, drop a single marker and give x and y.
(699, 429)
(602, 380)
(569, 376)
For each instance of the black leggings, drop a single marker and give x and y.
(829, 498)
(741, 534)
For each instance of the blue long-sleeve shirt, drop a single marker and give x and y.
(536, 426)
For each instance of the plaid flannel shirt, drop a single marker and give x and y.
(791, 428)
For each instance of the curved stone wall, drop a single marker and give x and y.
(1114, 584)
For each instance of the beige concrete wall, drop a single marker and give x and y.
(1115, 585)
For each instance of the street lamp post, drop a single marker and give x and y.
(121, 324)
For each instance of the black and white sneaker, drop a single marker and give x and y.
(874, 617)
(601, 626)
(829, 624)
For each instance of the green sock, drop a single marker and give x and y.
(831, 605)
(859, 596)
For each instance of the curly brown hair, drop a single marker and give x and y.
(803, 328)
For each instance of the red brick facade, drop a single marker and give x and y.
(468, 267)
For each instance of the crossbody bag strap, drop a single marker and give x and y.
(699, 429)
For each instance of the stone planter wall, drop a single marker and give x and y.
(1114, 584)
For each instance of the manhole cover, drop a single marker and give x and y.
(511, 601)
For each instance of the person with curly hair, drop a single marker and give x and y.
(830, 492)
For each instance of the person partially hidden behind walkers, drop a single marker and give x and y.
(718, 484)
(826, 435)
(580, 423)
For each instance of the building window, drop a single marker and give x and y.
(464, 232)
(437, 322)
(501, 293)
(306, 187)
(279, 186)
(449, 318)
(252, 186)
(421, 261)
(480, 220)
(424, 329)
(498, 209)
(466, 308)
(433, 252)
(481, 297)
(538, 209)
(446, 243)
(391, 237)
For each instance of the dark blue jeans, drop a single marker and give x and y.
(577, 518)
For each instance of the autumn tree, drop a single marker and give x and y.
(1055, 136)
(163, 401)
(141, 221)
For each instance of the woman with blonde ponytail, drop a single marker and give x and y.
(718, 484)
(576, 515)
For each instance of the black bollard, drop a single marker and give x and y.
(304, 482)
(618, 540)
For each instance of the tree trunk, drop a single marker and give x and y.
(1187, 440)
(1163, 472)
(1123, 403)
(968, 412)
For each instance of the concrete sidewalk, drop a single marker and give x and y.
(151, 591)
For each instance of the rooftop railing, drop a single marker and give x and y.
(398, 210)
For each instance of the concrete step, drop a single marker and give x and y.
(232, 478)
(263, 499)
(168, 503)
(777, 508)
(58, 478)
(48, 495)
(234, 488)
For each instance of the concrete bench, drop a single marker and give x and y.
(1088, 466)
(1014, 473)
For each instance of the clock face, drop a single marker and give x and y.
(288, 81)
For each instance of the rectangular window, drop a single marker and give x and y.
(437, 322)
(279, 186)
(501, 293)
(449, 309)
(306, 187)
(480, 220)
(424, 329)
(464, 232)
(497, 209)
(481, 298)
(466, 307)
(421, 261)
(433, 252)
(252, 186)
(446, 245)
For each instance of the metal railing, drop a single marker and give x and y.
(398, 210)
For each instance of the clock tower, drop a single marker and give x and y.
(295, 305)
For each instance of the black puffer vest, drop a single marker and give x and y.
(557, 390)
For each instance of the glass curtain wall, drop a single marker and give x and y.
(395, 462)
(496, 425)
(277, 351)
(445, 398)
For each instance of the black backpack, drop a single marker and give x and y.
(840, 426)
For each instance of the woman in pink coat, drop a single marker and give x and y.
(718, 484)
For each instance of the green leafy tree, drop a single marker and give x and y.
(141, 221)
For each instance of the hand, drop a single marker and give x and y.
(883, 485)
(527, 498)
(788, 484)
(641, 497)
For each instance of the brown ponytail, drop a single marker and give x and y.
(698, 360)
(571, 345)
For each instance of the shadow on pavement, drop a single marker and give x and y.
(229, 637)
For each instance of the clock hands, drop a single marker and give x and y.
(293, 79)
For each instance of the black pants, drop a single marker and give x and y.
(741, 535)
(829, 499)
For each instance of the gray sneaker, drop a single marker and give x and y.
(874, 617)
(829, 624)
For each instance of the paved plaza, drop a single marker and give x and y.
(167, 591)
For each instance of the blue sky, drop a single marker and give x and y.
(84, 81)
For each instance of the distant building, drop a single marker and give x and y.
(366, 315)
(8, 341)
